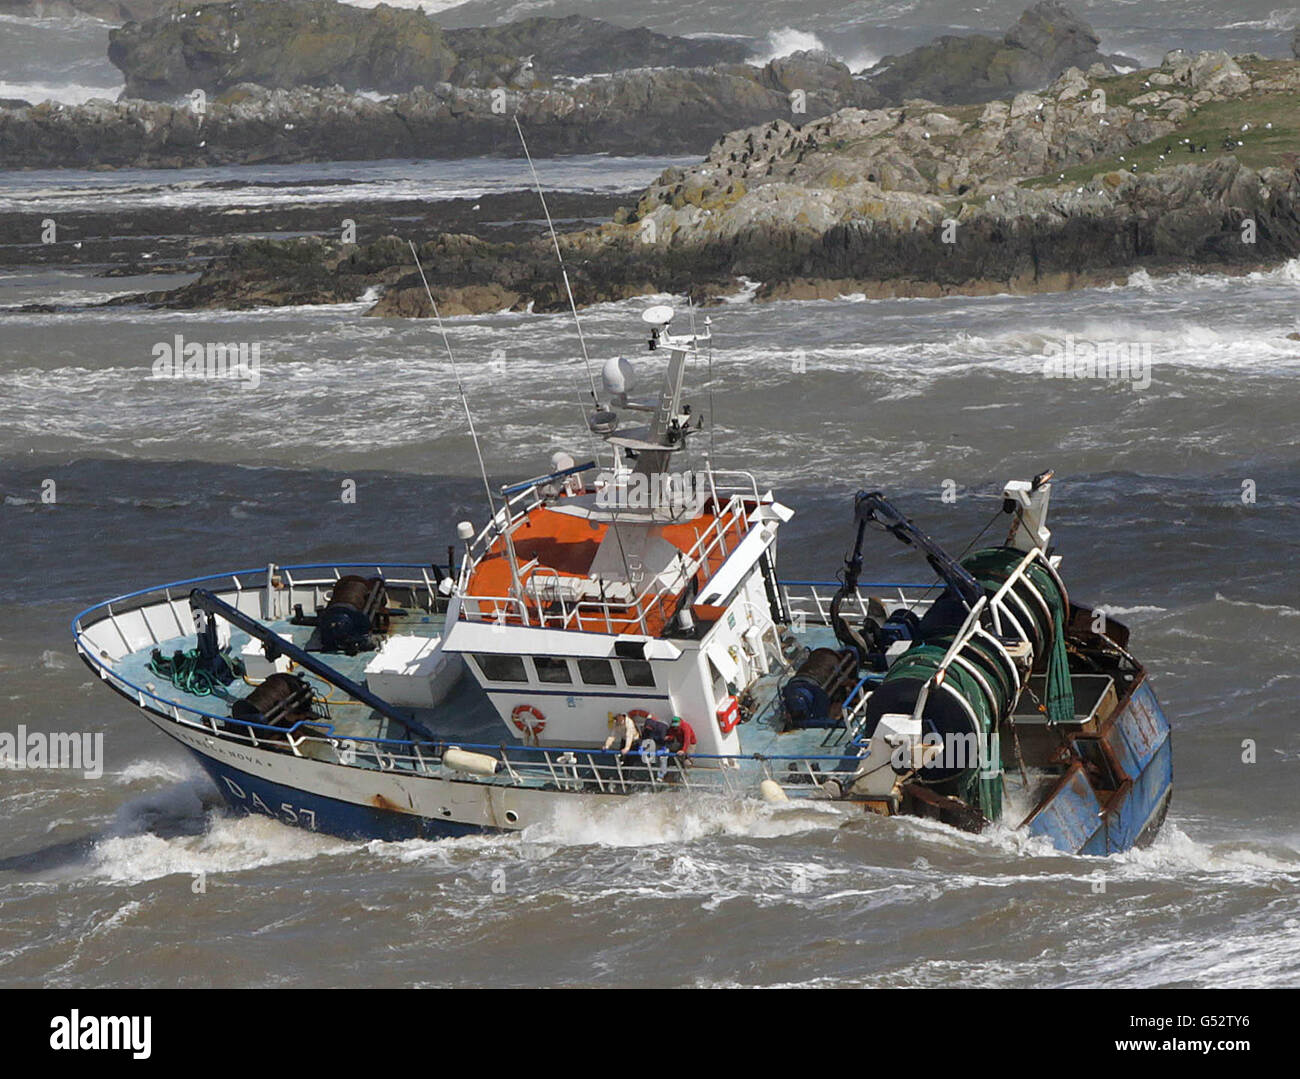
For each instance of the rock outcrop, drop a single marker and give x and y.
(115, 11)
(293, 43)
(911, 200)
(213, 47)
(578, 45)
(1046, 39)
(646, 111)
(281, 84)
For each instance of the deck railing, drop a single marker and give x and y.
(655, 600)
(563, 768)
(809, 602)
(129, 623)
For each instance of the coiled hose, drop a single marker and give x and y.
(183, 671)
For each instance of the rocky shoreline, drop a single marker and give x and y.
(1191, 166)
(160, 240)
(1188, 166)
(246, 82)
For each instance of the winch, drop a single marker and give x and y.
(280, 701)
(964, 686)
(880, 634)
(815, 691)
(357, 611)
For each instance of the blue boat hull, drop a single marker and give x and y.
(1080, 820)
(251, 795)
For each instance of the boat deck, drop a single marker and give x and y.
(557, 557)
(116, 638)
(467, 714)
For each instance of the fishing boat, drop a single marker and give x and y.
(618, 628)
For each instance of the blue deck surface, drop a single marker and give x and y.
(467, 713)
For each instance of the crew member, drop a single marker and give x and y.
(681, 737)
(654, 736)
(622, 730)
(655, 730)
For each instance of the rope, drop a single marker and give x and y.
(186, 674)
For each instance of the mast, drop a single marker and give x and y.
(669, 423)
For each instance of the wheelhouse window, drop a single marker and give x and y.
(501, 668)
(596, 672)
(638, 672)
(719, 682)
(551, 669)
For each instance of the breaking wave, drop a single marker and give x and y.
(228, 845)
(785, 41)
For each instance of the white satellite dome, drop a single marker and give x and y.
(618, 375)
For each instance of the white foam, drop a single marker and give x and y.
(1176, 854)
(1277, 19)
(60, 93)
(1287, 273)
(149, 771)
(648, 820)
(1281, 609)
(785, 41)
(861, 60)
(45, 191)
(231, 845)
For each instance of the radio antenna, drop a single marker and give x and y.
(469, 417)
(537, 183)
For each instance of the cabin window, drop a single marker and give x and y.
(719, 682)
(596, 672)
(550, 669)
(637, 672)
(501, 668)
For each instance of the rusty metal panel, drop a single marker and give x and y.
(1122, 753)
(1133, 812)
(1072, 816)
(1143, 725)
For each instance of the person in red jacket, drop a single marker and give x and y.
(681, 737)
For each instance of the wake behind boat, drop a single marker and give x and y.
(619, 627)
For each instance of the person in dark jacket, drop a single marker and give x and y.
(654, 737)
(656, 730)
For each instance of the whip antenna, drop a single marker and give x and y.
(469, 417)
(537, 183)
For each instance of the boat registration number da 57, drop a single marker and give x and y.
(289, 814)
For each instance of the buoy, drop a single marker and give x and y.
(474, 764)
(528, 720)
(771, 791)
